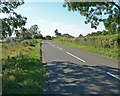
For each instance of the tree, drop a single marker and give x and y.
(39, 36)
(48, 37)
(57, 33)
(67, 35)
(96, 12)
(18, 34)
(80, 35)
(29, 33)
(34, 30)
(23, 33)
(14, 20)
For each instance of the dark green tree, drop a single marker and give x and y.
(67, 35)
(14, 20)
(34, 30)
(48, 37)
(96, 12)
(80, 36)
(57, 33)
(38, 36)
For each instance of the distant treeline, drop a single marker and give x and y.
(98, 33)
(104, 32)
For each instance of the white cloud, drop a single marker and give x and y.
(2, 15)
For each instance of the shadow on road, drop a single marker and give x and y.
(69, 78)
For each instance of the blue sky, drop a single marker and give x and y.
(52, 15)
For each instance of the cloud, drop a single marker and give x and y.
(3, 15)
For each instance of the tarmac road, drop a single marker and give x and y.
(74, 71)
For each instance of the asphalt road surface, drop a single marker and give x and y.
(74, 71)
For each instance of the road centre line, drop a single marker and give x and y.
(113, 75)
(48, 42)
(59, 48)
(76, 57)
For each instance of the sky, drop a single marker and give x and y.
(52, 15)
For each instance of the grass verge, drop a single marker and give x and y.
(109, 52)
(22, 72)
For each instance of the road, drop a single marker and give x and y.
(74, 71)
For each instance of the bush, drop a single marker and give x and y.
(108, 41)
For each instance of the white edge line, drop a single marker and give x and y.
(53, 45)
(76, 57)
(113, 75)
(59, 48)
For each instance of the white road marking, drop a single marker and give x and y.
(59, 48)
(113, 75)
(76, 57)
(53, 45)
(49, 43)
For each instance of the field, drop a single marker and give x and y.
(103, 45)
(22, 70)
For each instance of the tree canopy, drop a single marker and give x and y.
(48, 37)
(67, 35)
(34, 30)
(57, 33)
(96, 12)
(13, 20)
(29, 33)
(80, 35)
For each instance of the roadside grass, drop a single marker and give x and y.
(109, 52)
(22, 72)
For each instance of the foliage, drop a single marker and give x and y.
(48, 37)
(57, 33)
(38, 36)
(98, 33)
(20, 65)
(30, 33)
(67, 35)
(34, 30)
(14, 20)
(106, 45)
(80, 35)
(96, 12)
